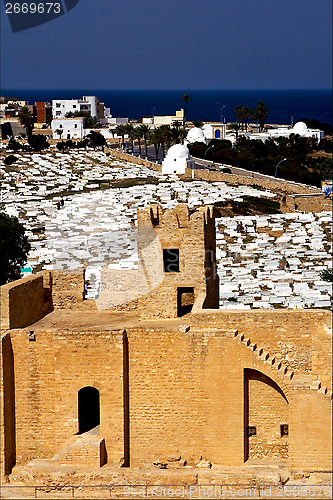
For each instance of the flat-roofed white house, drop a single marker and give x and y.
(73, 128)
(88, 104)
(177, 159)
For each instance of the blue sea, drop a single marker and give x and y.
(285, 106)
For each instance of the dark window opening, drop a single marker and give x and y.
(185, 300)
(88, 409)
(251, 430)
(171, 260)
(284, 430)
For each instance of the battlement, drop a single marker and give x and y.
(176, 218)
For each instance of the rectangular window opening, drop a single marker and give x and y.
(171, 260)
(185, 300)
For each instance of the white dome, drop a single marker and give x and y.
(195, 134)
(178, 158)
(300, 127)
(178, 151)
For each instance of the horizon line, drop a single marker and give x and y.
(165, 90)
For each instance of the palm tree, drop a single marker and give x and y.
(144, 131)
(197, 123)
(121, 130)
(26, 119)
(240, 114)
(185, 98)
(130, 131)
(260, 114)
(178, 134)
(138, 137)
(247, 114)
(166, 137)
(235, 127)
(155, 140)
(60, 131)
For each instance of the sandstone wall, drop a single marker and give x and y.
(133, 159)
(67, 289)
(167, 394)
(22, 302)
(300, 338)
(49, 372)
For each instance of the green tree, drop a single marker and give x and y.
(130, 131)
(10, 159)
(247, 114)
(38, 142)
(14, 248)
(243, 114)
(121, 130)
(95, 139)
(260, 114)
(197, 123)
(138, 137)
(324, 166)
(14, 145)
(186, 98)
(89, 121)
(234, 127)
(26, 119)
(60, 131)
(144, 131)
(155, 140)
(178, 133)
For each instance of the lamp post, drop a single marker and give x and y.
(276, 168)
(222, 123)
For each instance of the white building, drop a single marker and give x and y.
(177, 159)
(215, 130)
(73, 128)
(195, 134)
(88, 104)
(299, 128)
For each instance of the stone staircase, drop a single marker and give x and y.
(87, 449)
(304, 380)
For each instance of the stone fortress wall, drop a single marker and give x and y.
(185, 384)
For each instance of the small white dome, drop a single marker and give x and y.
(177, 159)
(178, 151)
(195, 134)
(300, 127)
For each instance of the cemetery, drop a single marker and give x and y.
(274, 263)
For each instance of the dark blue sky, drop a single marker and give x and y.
(174, 44)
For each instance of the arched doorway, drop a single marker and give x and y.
(88, 409)
(265, 418)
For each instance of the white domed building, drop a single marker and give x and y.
(177, 159)
(299, 128)
(195, 134)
